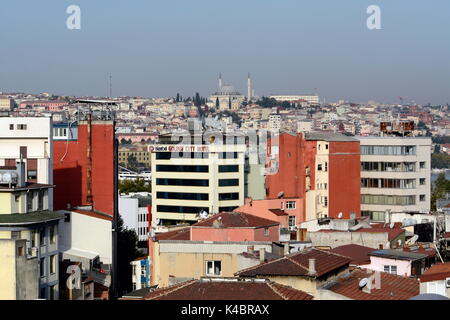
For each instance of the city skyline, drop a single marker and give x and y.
(157, 50)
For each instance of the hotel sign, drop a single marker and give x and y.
(179, 148)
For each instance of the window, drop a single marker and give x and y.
(228, 182)
(266, 232)
(326, 146)
(180, 209)
(11, 127)
(30, 197)
(41, 200)
(21, 127)
(182, 182)
(52, 230)
(290, 205)
(53, 292)
(228, 196)
(143, 271)
(291, 221)
(15, 235)
(422, 181)
(42, 267)
(422, 197)
(182, 196)
(42, 237)
(326, 166)
(181, 168)
(53, 264)
(390, 269)
(20, 251)
(319, 167)
(422, 165)
(325, 201)
(229, 168)
(213, 268)
(43, 293)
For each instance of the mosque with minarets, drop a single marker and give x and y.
(227, 98)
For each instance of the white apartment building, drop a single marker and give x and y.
(134, 212)
(31, 140)
(310, 98)
(274, 122)
(395, 175)
(29, 245)
(188, 179)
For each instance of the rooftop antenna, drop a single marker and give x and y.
(110, 86)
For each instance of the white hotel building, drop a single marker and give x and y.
(395, 175)
(310, 98)
(190, 178)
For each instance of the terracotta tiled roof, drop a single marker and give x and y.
(297, 264)
(180, 234)
(228, 289)
(439, 271)
(94, 214)
(392, 287)
(278, 212)
(236, 220)
(358, 254)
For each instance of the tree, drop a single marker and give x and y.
(440, 188)
(440, 161)
(127, 241)
(138, 185)
(217, 102)
(132, 162)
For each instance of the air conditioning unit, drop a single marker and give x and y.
(447, 283)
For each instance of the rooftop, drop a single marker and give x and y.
(398, 255)
(331, 137)
(297, 264)
(358, 254)
(393, 287)
(29, 218)
(439, 271)
(228, 289)
(235, 220)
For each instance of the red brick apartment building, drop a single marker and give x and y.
(84, 168)
(322, 169)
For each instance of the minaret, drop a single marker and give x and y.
(249, 88)
(220, 81)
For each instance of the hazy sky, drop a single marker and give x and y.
(159, 48)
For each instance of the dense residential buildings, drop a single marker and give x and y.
(218, 246)
(395, 176)
(321, 169)
(29, 245)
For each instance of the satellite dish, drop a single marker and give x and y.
(280, 194)
(392, 225)
(157, 221)
(363, 282)
(340, 215)
(7, 177)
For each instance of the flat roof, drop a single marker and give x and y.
(332, 137)
(398, 254)
(29, 218)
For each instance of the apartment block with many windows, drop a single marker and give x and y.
(201, 176)
(395, 175)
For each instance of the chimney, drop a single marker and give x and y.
(286, 249)
(262, 255)
(312, 267)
